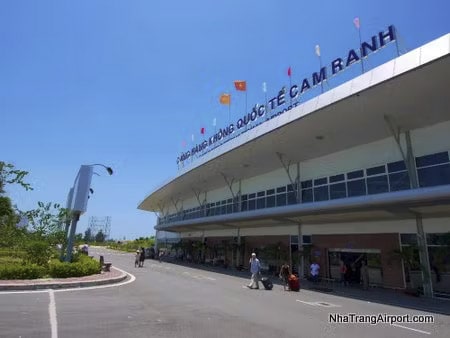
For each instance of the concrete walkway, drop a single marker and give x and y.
(373, 295)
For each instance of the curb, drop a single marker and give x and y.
(62, 285)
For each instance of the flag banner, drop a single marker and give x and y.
(202, 130)
(356, 22)
(264, 87)
(225, 99)
(289, 72)
(214, 122)
(318, 50)
(240, 85)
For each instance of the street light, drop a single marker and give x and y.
(78, 199)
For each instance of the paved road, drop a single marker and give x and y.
(168, 300)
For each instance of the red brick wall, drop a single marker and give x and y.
(386, 243)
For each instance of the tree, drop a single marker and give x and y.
(10, 175)
(88, 235)
(47, 222)
(100, 237)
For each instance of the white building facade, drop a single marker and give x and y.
(358, 173)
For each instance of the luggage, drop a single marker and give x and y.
(294, 283)
(267, 283)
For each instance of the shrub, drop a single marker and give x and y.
(21, 271)
(83, 267)
(38, 252)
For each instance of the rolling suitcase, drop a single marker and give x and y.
(294, 283)
(267, 283)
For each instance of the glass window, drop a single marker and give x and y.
(408, 239)
(252, 195)
(230, 200)
(399, 181)
(432, 176)
(261, 194)
(307, 195)
(320, 181)
(292, 187)
(270, 201)
(251, 204)
(306, 239)
(270, 192)
(294, 239)
(376, 170)
(321, 194)
(261, 203)
(377, 184)
(244, 206)
(337, 178)
(281, 189)
(396, 166)
(356, 188)
(244, 197)
(355, 174)
(438, 239)
(281, 200)
(307, 184)
(432, 159)
(229, 208)
(338, 190)
(291, 197)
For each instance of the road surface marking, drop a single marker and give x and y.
(321, 304)
(210, 278)
(410, 328)
(309, 303)
(52, 314)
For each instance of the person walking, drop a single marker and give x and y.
(284, 275)
(137, 257)
(255, 269)
(315, 268)
(142, 257)
(365, 275)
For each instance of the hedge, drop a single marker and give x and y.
(84, 267)
(21, 271)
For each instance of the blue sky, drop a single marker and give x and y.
(124, 83)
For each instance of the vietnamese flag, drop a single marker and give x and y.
(202, 130)
(289, 72)
(225, 99)
(240, 85)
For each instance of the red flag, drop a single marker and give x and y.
(357, 22)
(240, 85)
(202, 130)
(289, 72)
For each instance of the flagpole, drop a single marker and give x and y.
(396, 41)
(360, 49)
(290, 84)
(319, 55)
(357, 24)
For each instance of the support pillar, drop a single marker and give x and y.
(408, 157)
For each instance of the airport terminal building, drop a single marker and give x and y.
(358, 173)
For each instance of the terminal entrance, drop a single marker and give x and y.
(352, 259)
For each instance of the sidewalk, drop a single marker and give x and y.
(113, 276)
(374, 295)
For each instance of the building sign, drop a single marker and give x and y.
(259, 112)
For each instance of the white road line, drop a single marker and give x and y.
(52, 314)
(210, 278)
(410, 328)
(309, 303)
